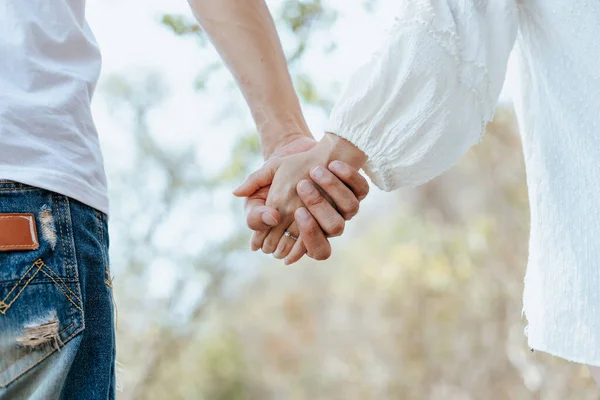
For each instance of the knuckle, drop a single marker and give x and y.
(251, 223)
(351, 208)
(366, 189)
(315, 200)
(274, 199)
(254, 222)
(363, 190)
(269, 244)
(350, 205)
(349, 215)
(288, 210)
(258, 237)
(337, 229)
(253, 176)
(310, 230)
(322, 253)
(255, 244)
(327, 179)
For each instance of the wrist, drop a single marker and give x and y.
(281, 142)
(278, 129)
(343, 150)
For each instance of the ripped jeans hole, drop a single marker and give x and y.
(108, 279)
(41, 333)
(48, 226)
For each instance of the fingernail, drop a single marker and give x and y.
(286, 261)
(302, 213)
(278, 254)
(317, 172)
(335, 165)
(305, 186)
(268, 219)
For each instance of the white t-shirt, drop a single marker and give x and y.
(49, 66)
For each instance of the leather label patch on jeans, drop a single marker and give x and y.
(18, 232)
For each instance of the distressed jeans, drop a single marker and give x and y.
(57, 337)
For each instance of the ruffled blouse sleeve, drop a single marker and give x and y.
(421, 101)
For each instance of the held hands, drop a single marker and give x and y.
(278, 193)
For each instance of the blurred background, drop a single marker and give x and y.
(422, 296)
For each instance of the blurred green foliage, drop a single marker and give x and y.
(180, 25)
(243, 154)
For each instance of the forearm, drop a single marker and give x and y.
(245, 36)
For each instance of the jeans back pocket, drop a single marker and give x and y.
(40, 296)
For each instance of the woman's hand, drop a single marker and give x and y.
(343, 184)
(259, 217)
(344, 187)
(289, 175)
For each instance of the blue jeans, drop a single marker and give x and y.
(57, 338)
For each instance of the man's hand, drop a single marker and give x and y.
(343, 185)
(283, 175)
(346, 188)
(259, 217)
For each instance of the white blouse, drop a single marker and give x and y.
(425, 97)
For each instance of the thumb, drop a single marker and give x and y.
(256, 180)
(260, 217)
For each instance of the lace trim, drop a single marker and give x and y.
(448, 40)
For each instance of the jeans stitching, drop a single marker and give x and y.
(108, 281)
(66, 254)
(40, 281)
(71, 260)
(3, 305)
(75, 270)
(19, 281)
(62, 236)
(70, 325)
(40, 267)
(40, 360)
(72, 249)
(20, 246)
(61, 281)
(63, 290)
(16, 361)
